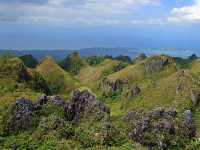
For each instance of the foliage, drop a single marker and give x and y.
(29, 61)
(57, 79)
(72, 63)
(125, 59)
(94, 60)
(168, 86)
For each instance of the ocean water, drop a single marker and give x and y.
(171, 52)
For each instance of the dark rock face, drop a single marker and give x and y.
(166, 125)
(121, 87)
(148, 127)
(21, 116)
(109, 87)
(42, 100)
(158, 128)
(195, 97)
(156, 64)
(189, 126)
(131, 92)
(56, 100)
(84, 105)
(171, 112)
(157, 113)
(70, 112)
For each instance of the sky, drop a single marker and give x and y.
(75, 24)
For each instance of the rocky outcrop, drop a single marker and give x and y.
(188, 124)
(195, 97)
(20, 116)
(14, 68)
(83, 105)
(131, 92)
(42, 100)
(56, 100)
(156, 63)
(121, 87)
(159, 127)
(110, 87)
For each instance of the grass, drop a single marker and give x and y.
(58, 80)
(158, 89)
(91, 76)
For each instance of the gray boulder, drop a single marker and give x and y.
(188, 124)
(56, 100)
(42, 100)
(84, 105)
(20, 116)
(195, 97)
(153, 128)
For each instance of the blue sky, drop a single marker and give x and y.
(74, 24)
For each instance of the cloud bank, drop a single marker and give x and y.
(93, 12)
(71, 11)
(189, 14)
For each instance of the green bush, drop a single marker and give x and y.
(85, 137)
(95, 60)
(73, 63)
(112, 136)
(29, 61)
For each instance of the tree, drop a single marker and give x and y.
(72, 63)
(29, 61)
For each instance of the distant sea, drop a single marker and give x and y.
(171, 52)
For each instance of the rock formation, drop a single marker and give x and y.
(159, 127)
(84, 105)
(20, 116)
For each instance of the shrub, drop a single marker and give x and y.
(73, 63)
(95, 60)
(29, 61)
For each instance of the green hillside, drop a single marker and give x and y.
(152, 103)
(58, 80)
(91, 76)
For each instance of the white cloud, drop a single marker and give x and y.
(71, 11)
(188, 14)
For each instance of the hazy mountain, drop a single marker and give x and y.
(61, 54)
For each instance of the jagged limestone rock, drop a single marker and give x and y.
(188, 124)
(195, 97)
(20, 116)
(84, 105)
(57, 100)
(159, 127)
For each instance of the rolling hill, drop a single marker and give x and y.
(149, 103)
(57, 79)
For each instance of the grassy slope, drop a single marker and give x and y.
(195, 71)
(148, 82)
(10, 87)
(90, 76)
(54, 74)
(158, 89)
